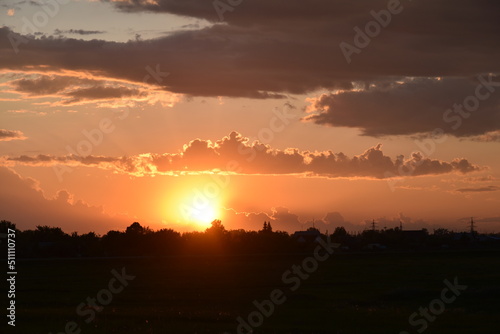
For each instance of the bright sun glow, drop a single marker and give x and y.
(199, 212)
(203, 216)
(191, 205)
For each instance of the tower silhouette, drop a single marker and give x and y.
(472, 225)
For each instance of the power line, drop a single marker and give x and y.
(472, 225)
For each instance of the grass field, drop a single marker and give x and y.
(348, 293)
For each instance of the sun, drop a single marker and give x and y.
(203, 216)
(195, 203)
(199, 211)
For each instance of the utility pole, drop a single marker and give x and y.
(373, 225)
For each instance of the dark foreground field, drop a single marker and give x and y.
(348, 293)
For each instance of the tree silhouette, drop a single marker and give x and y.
(5, 225)
(216, 228)
(135, 228)
(49, 234)
(267, 227)
(136, 240)
(312, 229)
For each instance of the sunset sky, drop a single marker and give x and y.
(173, 113)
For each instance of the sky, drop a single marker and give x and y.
(319, 113)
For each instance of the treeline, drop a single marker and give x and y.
(136, 240)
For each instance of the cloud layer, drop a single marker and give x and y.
(234, 154)
(285, 46)
(268, 49)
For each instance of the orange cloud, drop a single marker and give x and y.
(234, 154)
(492, 136)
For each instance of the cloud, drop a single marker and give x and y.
(68, 88)
(479, 189)
(485, 227)
(7, 135)
(488, 220)
(280, 217)
(30, 2)
(335, 219)
(41, 85)
(25, 111)
(406, 222)
(78, 32)
(492, 136)
(102, 93)
(283, 219)
(411, 106)
(331, 221)
(486, 178)
(270, 49)
(235, 154)
(267, 49)
(244, 220)
(23, 203)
